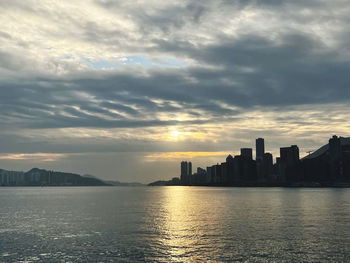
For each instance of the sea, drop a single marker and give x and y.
(174, 224)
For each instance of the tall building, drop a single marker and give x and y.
(209, 175)
(183, 169)
(244, 169)
(289, 155)
(335, 154)
(335, 150)
(230, 169)
(267, 165)
(289, 163)
(217, 173)
(247, 153)
(199, 178)
(186, 172)
(224, 173)
(201, 171)
(260, 149)
(268, 159)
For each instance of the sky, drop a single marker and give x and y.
(126, 90)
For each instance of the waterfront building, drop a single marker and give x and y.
(186, 172)
(335, 156)
(289, 164)
(199, 178)
(230, 169)
(260, 149)
(289, 155)
(224, 174)
(267, 166)
(216, 174)
(209, 175)
(247, 153)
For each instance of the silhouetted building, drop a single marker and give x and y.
(175, 181)
(259, 156)
(238, 168)
(335, 158)
(247, 153)
(201, 171)
(244, 169)
(183, 176)
(290, 155)
(216, 174)
(199, 178)
(266, 166)
(186, 172)
(213, 173)
(224, 174)
(230, 169)
(278, 160)
(289, 163)
(330, 164)
(260, 149)
(327, 166)
(335, 149)
(209, 177)
(316, 169)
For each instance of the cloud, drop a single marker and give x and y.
(178, 156)
(41, 157)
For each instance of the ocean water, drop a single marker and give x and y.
(174, 224)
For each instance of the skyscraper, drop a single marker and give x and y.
(247, 153)
(290, 155)
(260, 149)
(186, 172)
(289, 163)
(335, 154)
(335, 147)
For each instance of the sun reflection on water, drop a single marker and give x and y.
(177, 223)
(186, 224)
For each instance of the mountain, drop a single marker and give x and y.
(41, 177)
(174, 181)
(115, 183)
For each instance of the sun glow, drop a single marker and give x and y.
(175, 156)
(174, 136)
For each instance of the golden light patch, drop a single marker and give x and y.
(174, 136)
(43, 157)
(169, 156)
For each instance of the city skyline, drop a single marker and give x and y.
(328, 166)
(126, 90)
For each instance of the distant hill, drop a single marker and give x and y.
(115, 183)
(174, 181)
(41, 177)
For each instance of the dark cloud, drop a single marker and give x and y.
(248, 72)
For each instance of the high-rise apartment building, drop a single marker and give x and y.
(247, 153)
(186, 172)
(260, 149)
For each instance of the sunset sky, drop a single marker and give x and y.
(126, 90)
